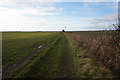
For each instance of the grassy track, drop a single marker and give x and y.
(67, 67)
(54, 62)
(15, 45)
(46, 64)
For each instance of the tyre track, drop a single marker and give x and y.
(67, 67)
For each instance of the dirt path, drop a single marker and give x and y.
(10, 67)
(67, 68)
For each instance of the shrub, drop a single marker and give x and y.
(105, 48)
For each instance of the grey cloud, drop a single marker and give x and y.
(105, 22)
(105, 19)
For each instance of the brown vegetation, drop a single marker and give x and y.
(105, 48)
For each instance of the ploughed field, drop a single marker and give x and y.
(49, 55)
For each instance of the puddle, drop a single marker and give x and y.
(40, 46)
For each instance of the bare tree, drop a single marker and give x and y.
(117, 25)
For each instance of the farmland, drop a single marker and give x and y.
(58, 39)
(63, 55)
(16, 45)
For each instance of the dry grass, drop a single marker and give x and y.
(105, 48)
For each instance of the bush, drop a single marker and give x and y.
(105, 48)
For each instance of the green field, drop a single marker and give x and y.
(18, 44)
(90, 33)
(60, 57)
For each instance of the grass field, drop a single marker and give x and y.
(18, 44)
(63, 55)
(90, 33)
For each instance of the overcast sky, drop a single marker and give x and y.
(54, 16)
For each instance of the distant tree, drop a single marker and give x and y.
(63, 30)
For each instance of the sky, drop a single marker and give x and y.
(54, 16)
